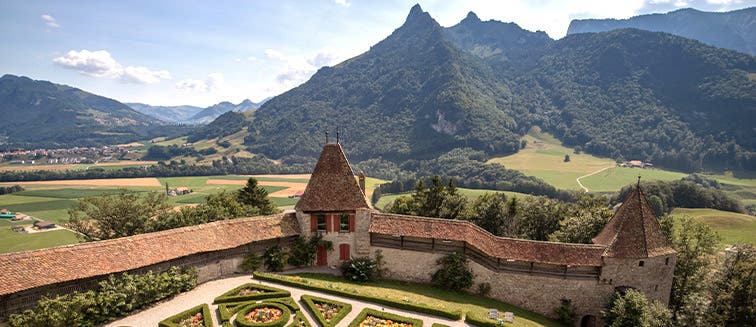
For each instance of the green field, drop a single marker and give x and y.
(471, 194)
(11, 241)
(613, 179)
(732, 227)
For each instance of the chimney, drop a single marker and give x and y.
(362, 182)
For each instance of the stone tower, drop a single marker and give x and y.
(638, 255)
(334, 206)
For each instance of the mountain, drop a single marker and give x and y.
(212, 112)
(731, 30)
(44, 114)
(173, 114)
(425, 90)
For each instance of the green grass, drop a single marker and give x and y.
(284, 202)
(471, 195)
(613, 179)
(543, 157)
(429, 296)
(11, 241)
(732, 227)
(70, 193)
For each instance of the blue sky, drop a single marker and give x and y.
(204, 52)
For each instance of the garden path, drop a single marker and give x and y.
(206, 292)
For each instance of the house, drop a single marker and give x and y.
(298, 194)
(41, 224)
(7, 214)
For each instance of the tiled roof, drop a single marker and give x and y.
(332, 186)
(634, 231)
(499, 247)
(29, 269)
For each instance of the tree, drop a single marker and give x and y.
(733, 290)
(566, 158)
(540, 216)
(274, 258)
(116, 215)
(454, 273)
(581, 227)
(695, 242)
(491, 212)
(632, 309)
(303, 251)
(566, 312)
(255, 198)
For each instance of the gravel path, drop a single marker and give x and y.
(205, 293)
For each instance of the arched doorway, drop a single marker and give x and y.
(588, 321)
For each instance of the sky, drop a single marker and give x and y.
(183, 52)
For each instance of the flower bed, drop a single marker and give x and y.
(375, 318)
(228, 309)
(327, 312)
(250, 291)
(198, 316)
(263, 315)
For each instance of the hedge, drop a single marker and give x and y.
(285, 280)
(174, 320)
(241, 322)
(228, 309)
(471, 319)
(439, 325)
(268, 292)
(299, 321)
(384, 315)
(310, 303)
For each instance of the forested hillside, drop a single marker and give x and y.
(425, 90)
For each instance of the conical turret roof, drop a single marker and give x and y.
(332, 186)
(634, 231)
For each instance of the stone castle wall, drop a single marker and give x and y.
(653, 278)
(533, 292)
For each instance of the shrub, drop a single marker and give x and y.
(174, 321)
(302, 252)
(291, 281)
(299, 321)
(484, 289)
(472, 319)
(265, 292)
(242, 322)
(384, 315)
(114, 297)
(250, 263)
(312, 303)
(275, 258)
(454, 273)
(362, 269)
(566, 312)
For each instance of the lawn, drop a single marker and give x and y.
(543, 157)
(471, 195)
(732, 227)
(429, 296)
(613, 179)
(11, 241)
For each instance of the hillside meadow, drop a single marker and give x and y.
(732, 227)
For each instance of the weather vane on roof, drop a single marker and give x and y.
(326, 133)
(337, 135)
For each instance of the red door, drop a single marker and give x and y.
(322, 257)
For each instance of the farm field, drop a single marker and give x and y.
(613, 179)
(50, 200)
(105, 165)
(732, 227)
(471, 195)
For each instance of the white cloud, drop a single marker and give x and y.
(213, 82)
(344, 3)
(297, 69)
(101, 64)
(50, 21)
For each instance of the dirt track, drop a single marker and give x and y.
(113, 182)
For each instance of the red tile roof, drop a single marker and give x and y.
(332, 186)
(634, 231)
(29, 269)
(499, 247)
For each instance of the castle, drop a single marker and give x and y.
(630, 252)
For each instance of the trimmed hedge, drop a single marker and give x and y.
(173, 321)
(439, 325)
(480, 322)
(384, 315)
(310, 303)
(299, 321)
(227, 310)
(240, 321)
(268, 293)
(454, 315)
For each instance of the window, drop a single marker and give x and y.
(344, 223)
(666, 261)
(321, 223)
(640, 263)
(344, 252)
(656, 288)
